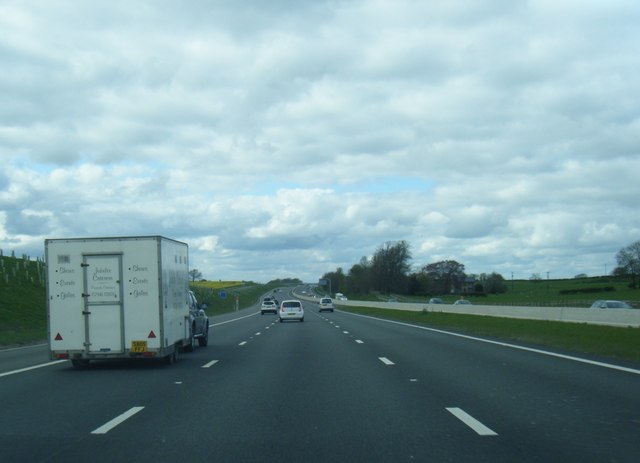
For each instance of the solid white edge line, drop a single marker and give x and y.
(386, 361)
(10, 349)
(506, 344)
(233, 320)
(210, 364)
(22, 370)
(470, 421)
(105, 428)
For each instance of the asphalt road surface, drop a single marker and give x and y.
(338, 387)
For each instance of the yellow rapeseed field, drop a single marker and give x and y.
(217, 284)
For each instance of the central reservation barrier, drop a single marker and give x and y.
(612, 317)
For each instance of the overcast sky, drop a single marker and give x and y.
(290, 138)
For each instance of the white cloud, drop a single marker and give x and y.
(290, 138)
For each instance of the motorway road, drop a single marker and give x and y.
(338, 387)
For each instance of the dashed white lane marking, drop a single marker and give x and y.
(359, 341)
(242, 343)
(386, 361)
(210, 364)
(258, 333)
(470, 421)
(345, 332)
(105, 428)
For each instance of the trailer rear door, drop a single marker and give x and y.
(103, 309)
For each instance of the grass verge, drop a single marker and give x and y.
(222, 299)
(605, 341)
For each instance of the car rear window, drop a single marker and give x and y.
(291, 304)
(325, 301)
(615, 305)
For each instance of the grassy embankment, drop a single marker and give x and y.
(22, 301)
(220, 296)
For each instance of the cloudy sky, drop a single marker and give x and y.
(289, 138)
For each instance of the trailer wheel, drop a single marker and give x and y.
(80, 364)
(190, 346)
(172, 357)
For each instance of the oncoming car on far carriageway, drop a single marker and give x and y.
(291, 310)
(610, 305)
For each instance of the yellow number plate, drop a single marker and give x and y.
(138, 346)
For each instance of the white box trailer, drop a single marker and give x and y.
(118, 298)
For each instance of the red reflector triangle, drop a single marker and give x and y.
(58, 337)
(152, 335)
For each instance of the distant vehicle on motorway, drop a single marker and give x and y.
(462, 302)
(341, 297)
(268, 305)
(325, 304)
(435, 300)
(291, 310)
(271, 298)
(610, 305)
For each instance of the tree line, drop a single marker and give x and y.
(388, 271)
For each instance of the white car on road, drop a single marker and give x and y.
(268, 305)
(291, 310)
(325, 304)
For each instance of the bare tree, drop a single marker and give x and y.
(195, 274)
(443, 277)
(629, 259)
(390, 267)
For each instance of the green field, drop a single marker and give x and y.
(573, 292)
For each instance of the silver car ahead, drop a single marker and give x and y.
(268, 305)
(325, 304)
(291, 310)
